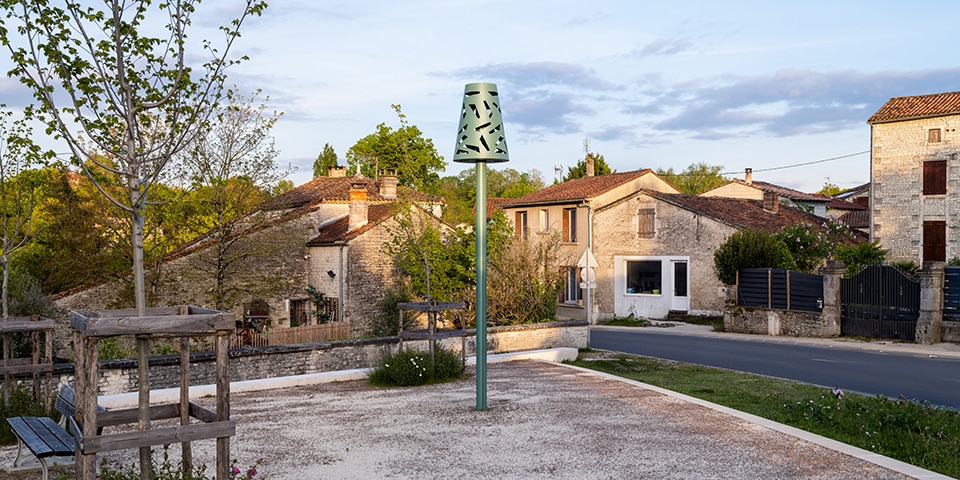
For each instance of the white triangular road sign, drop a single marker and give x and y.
(587, 260)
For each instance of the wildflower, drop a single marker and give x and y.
(837, 393)
(236, 471)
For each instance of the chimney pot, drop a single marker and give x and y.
(388, 184)
(337, 171)
(748, 176)
(590, 165)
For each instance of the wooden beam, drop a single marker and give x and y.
(93, 444)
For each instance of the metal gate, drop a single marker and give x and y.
(880, 302)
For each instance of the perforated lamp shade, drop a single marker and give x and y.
(481, 137)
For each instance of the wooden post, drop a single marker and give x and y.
(87, 358)
(223, 403)
(186, 452)
(35, 359)
(7, 379)
(143, 403)
(48, 354)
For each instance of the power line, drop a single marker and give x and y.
(801, 164)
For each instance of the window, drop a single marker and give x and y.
(934, 241)
(935, 177)
(646, 222)
(521, 225)
(933, 135)
(570, 225)
(544, 220)
(644, 277)
(571, 292)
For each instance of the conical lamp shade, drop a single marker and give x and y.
(481, 137)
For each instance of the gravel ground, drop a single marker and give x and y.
(544, 421)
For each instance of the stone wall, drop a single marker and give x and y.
(120, 376)
(764, 321)
(898, 206)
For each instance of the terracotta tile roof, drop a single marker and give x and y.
(337, 189)
(918, 106)
(838, 204)
(336, 231)
(578, 189)
(856, 219)
(741, 213)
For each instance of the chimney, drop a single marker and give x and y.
(337, 171)
(771, 202)
(388, 184)
(590, 165)
(748, 176)
(357, 206)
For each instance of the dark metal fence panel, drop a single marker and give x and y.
(768, 288)
(880, 302)
(951, 293)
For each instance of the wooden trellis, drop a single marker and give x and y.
(196, 422)
(37, 364)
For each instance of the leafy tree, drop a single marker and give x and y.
(810, 245)
(18, 186)
(324, 161)
(415, 159)
(830, 189)
(233, 169)
(125, 83)
(460, 191)
(524, 280)
(600, 167)
(695, 179)
(856, 257)
(749, 249)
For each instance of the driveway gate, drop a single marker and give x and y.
(880, 302)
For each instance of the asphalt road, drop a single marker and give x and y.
(935, 380)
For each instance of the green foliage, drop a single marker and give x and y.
(695, 179)
(908, 267)
(412, 367)
(405, 150)
(460, 191)
(113, 348)
(386, 324)
(749, 249)
(579, 170)
(319, 304)
(810, 245)
(830, 189)
(524, 281)
(166, 469)
(856, 257)
(21, 404)
(954, 262)
(324, 161)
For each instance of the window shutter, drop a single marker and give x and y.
(934, 241)
(935, 177)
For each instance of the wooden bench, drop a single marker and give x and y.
(44, 437)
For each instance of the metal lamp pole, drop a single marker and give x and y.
(481, 140)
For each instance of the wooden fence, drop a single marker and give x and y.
(293, 335)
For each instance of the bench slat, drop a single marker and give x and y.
(42, 436)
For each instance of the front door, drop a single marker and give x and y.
(681, 299)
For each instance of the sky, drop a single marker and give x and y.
(784, 88)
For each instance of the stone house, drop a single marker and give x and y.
(751, 189)
(915, 176)
(327, 233)
(653, 246)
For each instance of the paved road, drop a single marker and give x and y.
(913, 375)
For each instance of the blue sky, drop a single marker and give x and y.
(650, 84)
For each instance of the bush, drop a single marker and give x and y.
(21, 404)
(167, 469)
(856, 257)
(749, 249)
(412, 367)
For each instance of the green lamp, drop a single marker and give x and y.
(480, 141)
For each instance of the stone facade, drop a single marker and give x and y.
(899, 208)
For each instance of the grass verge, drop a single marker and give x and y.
(915, 433)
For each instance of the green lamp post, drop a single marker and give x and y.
(480, 140)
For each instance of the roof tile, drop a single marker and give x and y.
(918, 106)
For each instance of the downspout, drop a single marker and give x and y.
(589, 293)
(871, 204)
(341, 300)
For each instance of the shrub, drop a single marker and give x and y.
(858, 256)
(810, 245)
(412, 367)
(749, 249)
(908, 267)
(167, 469)
(21, 404)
